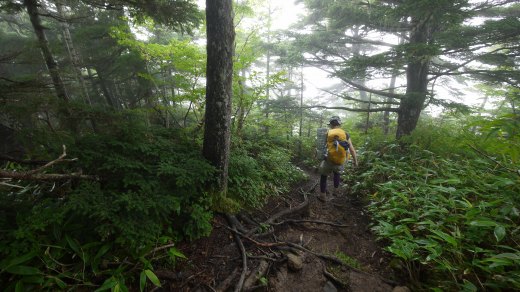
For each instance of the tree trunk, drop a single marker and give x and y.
(268, 66)
(386, 114)
(219, 70)
(241, 110)
(300, 151)
(52, 66)
(104, 87)
(73, 54)
(417, 83)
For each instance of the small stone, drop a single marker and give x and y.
(329, 287)
(401, 289)
(294, 262)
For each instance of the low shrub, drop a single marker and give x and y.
(450, 210)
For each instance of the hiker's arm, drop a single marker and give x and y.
(352, 151)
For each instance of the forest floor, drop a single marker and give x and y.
(311, 246)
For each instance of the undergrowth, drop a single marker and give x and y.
(111, 234)
(448, 207)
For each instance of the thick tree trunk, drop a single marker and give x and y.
(52, 65)
(417, 83)
(219, 70)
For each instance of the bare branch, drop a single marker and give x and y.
(45, 176)
(347, 97)
(372, 110)
(374, 91)
(36, 175)
(41, 168)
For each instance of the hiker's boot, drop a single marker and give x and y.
(336, 192)
(322, 196)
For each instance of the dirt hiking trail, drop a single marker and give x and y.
(295, 243)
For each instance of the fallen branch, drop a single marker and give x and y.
(50, 163)
(159, 248)
(310, 221)
(45, 176)
(282, 213)
(36, 174)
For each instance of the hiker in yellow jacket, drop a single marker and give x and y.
(338, 147)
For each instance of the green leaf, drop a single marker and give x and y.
(107, 285)
(23, 270)
(509, 255)
(75, 246)
(176, 253)
(483, 223)
(19, 287)
(452, 181)
(16, 261)
(469, 287)
(446, 237)
(500, 232)
(34, 279)
(60, 283)
(97, 258)
(153, 278)
(142, 281)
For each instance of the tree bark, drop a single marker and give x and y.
(417, 82)
(52, 65)
(219, 70)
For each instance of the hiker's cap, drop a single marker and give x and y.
(335, 118)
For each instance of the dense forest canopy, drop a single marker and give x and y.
(127, 125)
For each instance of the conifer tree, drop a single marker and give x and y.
(439, 41)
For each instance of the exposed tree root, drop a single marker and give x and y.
(254, 276)
(240, 233)
(333, 278)
(239, 243)
(282, 213)
(224, 285)
(311, 221)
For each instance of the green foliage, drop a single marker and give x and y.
(259, 170)
(65, 234)
(447, 207)
(180, 15)
(349, 261)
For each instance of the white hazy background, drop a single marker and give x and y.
(287, 12)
